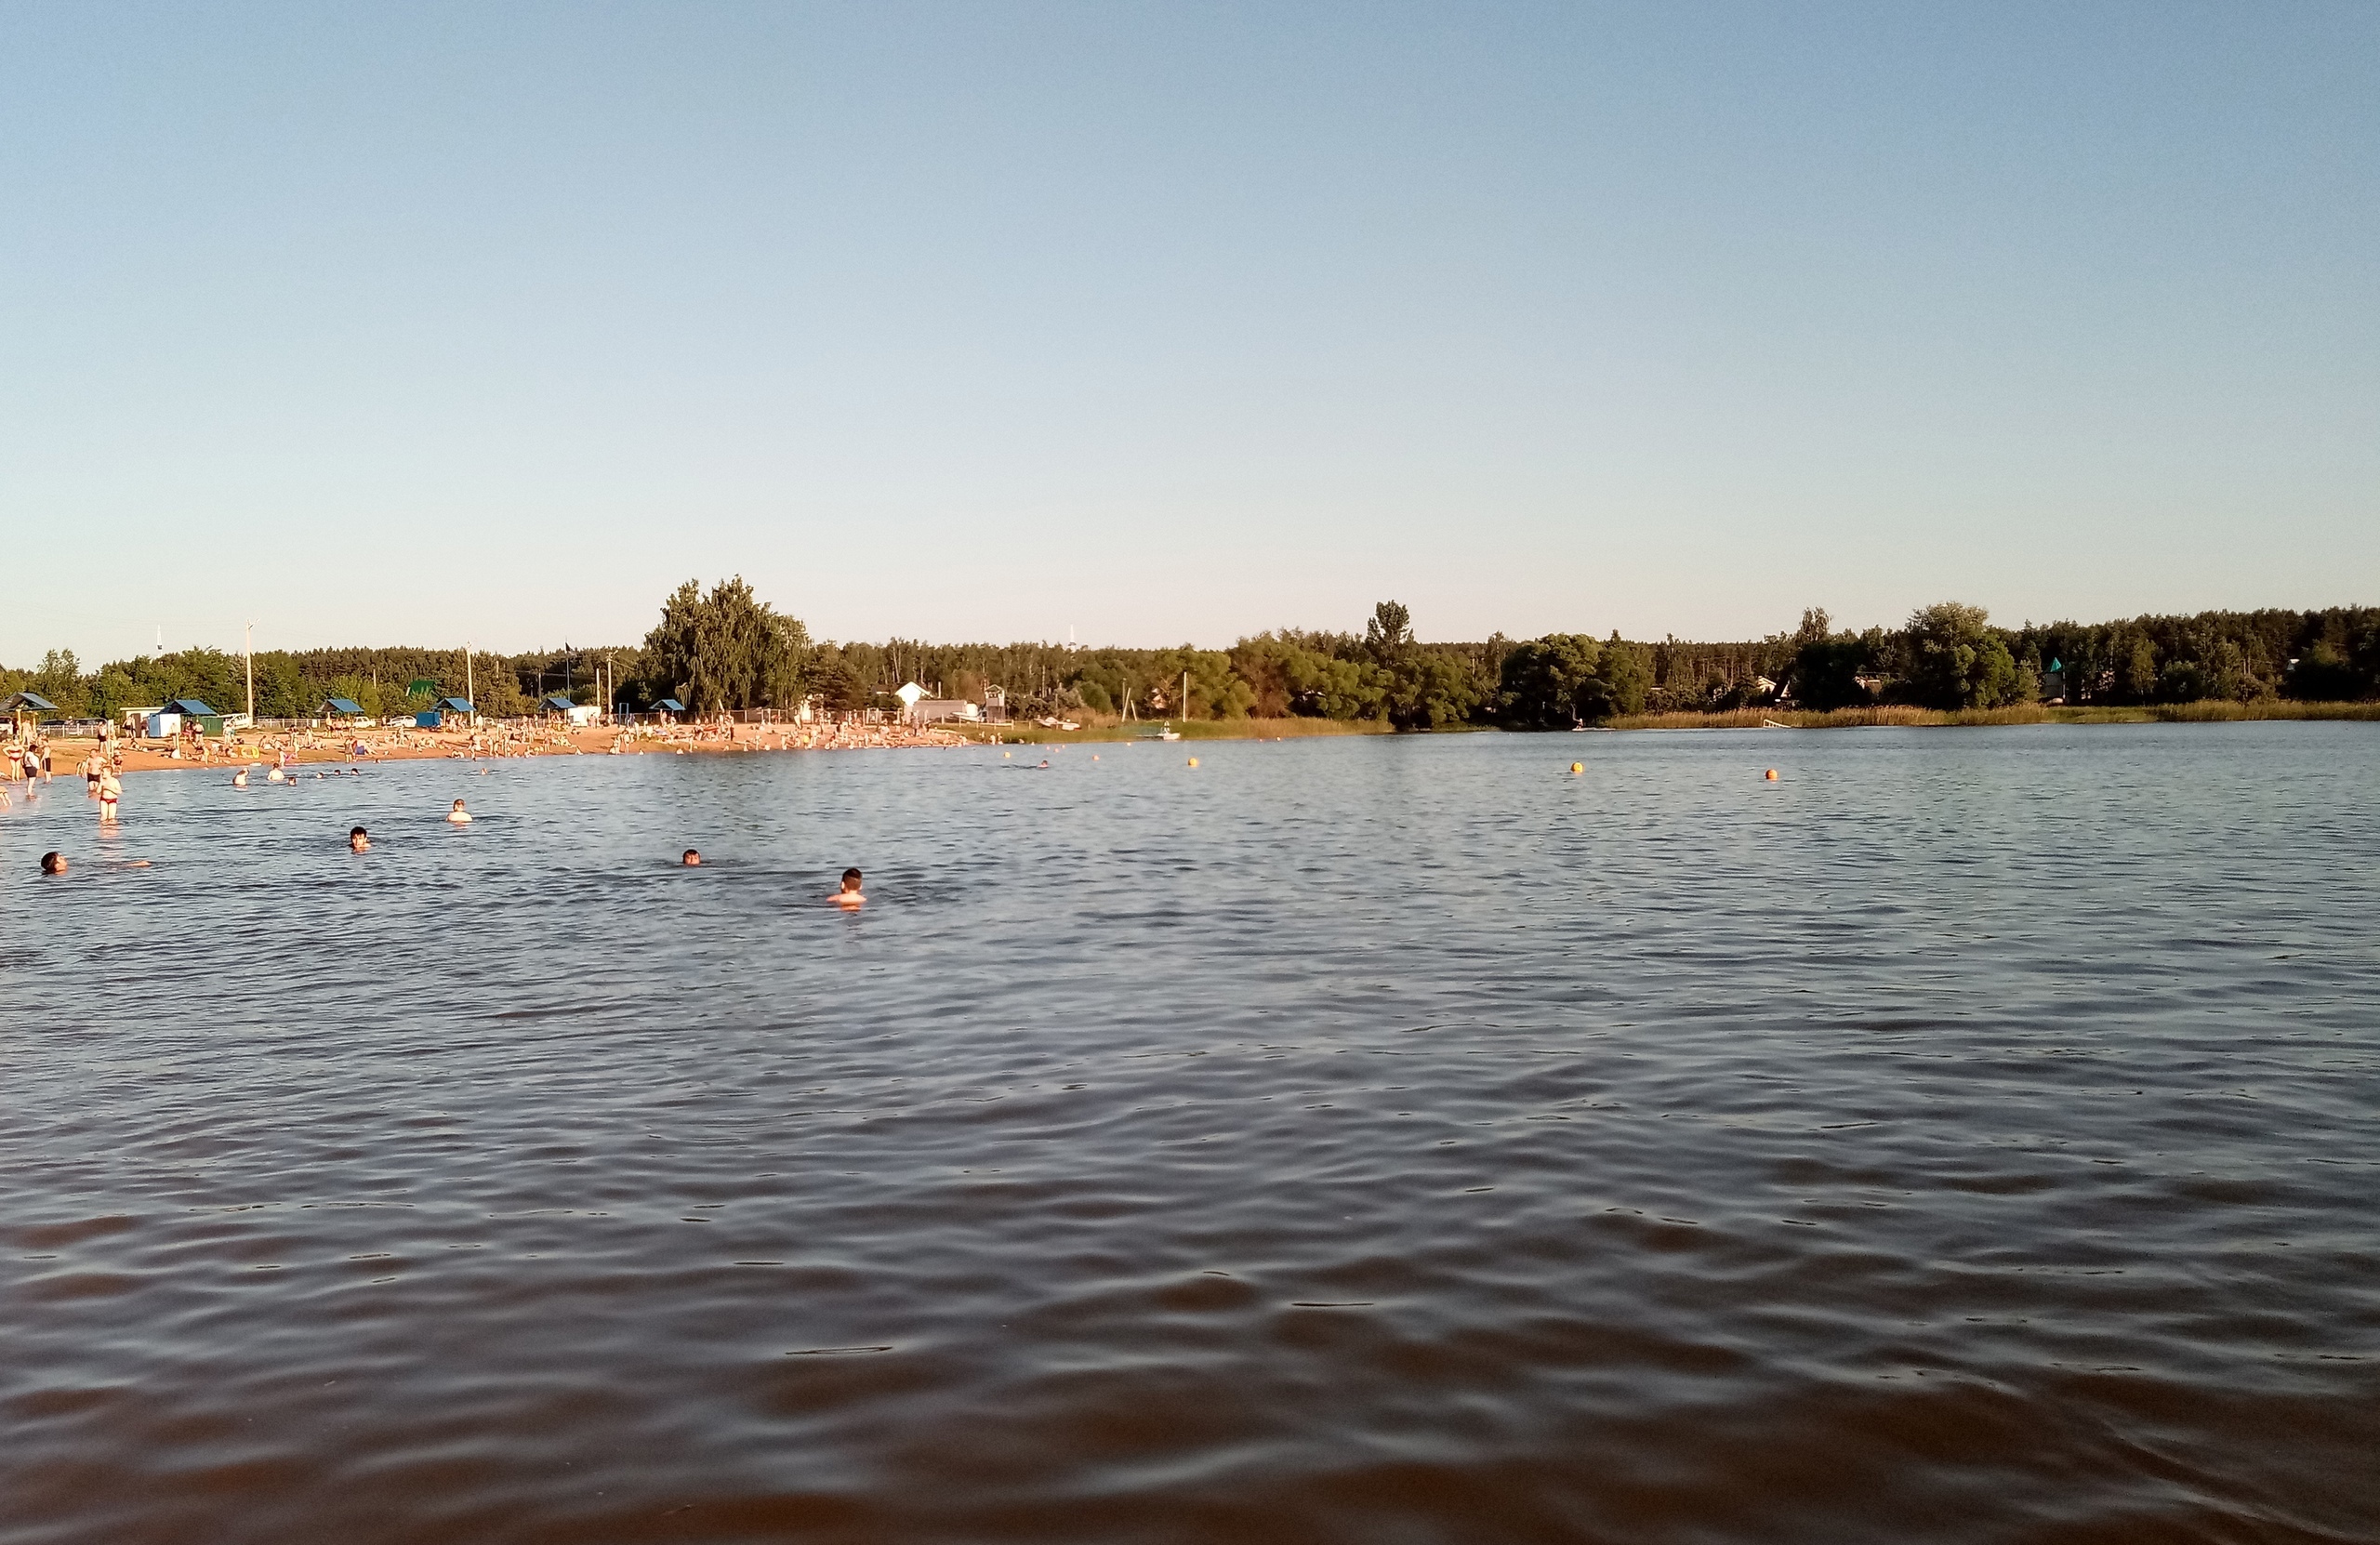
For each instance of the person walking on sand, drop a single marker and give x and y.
(458, 816)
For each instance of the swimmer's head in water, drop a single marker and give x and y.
(359, 840)
(851, 879)
(458, 804)
(53, 863)
(690, 859)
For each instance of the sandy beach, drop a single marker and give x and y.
(343, 747)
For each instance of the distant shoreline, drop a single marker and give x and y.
(1882, 716)
(142, 759)
(2214, 711)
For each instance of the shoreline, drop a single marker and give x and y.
(386, 746)
(1894, 716)
(389, 745)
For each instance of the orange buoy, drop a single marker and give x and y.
(1578, 767)
(1771, 774)
(1194, 761)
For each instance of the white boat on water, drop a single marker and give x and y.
(1168, 732)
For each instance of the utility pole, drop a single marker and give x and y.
(248, 646)
(471, 686)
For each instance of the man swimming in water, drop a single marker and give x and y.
(850, 898)
(358, 841)
(53, 863)
(692, 859)
(458, 816)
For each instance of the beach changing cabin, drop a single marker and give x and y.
(184, 713)
(576, 715)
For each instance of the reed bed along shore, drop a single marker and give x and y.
(2218, 712)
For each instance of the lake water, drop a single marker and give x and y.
(1974, 1135)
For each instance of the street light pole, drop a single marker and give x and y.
(248, 647)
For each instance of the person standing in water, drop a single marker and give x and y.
(111, 791)
(358, 841)
(458, 816)
(850, 897)
(690, 859)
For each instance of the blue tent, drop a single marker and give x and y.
(670, 705)
(555, 703)
(345, 707)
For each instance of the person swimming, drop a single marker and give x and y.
(850, 898)
(458, 816)
(53, 863)
(358, 841)
(240, 779)
(690, 859)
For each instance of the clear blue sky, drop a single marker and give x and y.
(419, 323)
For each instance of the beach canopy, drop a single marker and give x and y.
(670, 705)
(190, 707)
(346, 705)
(33, 701)
(554, 702)
(454, 705)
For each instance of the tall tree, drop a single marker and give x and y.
(726, 649)
(1550, 683)
(1955, 661)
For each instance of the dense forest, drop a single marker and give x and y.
(728, 649)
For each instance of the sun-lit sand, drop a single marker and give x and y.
(324, 747)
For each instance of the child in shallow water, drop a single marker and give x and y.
(850, 898)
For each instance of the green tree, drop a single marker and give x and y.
(727, 650)
(2140, 671)
(1827, 665)
(1955, 660)
(60, 680)
(1388, 636)
(1626, 672)
(1550, 683)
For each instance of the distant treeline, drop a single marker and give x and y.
(728, 649)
